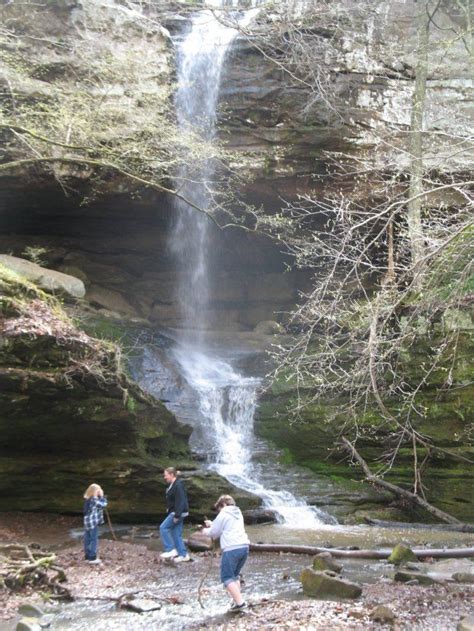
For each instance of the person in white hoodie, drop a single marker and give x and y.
(228, 526)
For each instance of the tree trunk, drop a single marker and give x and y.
(414, 208)
(396, 490)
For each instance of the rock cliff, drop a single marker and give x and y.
(70, 415)
(352, 101)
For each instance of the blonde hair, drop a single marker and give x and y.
(91, 491)
(173, 471)
(224, 500)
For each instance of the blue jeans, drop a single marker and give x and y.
(91, 540)
(232, 561)
(171, 534)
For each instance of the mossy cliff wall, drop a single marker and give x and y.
(313, 440)
(69, 415)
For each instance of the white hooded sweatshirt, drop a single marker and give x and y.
(229, 526)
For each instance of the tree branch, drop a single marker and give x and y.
(10, 166)
(396, 490)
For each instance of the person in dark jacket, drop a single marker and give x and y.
(171, 529)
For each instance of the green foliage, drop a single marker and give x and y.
(35, 254)
(131, 404)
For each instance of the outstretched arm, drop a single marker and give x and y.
(216, 528)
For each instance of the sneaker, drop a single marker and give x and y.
(236, 608)
(182, 559)
(169, 555)
(95, 562)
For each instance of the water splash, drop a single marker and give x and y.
(225, 434)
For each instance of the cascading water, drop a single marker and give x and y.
(200, 60)
(225, 435)
(226, 400)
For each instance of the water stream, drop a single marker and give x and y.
(225, 399)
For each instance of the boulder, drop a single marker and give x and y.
(30, 611)
(48, 279)
(423, 579)
(382, 613)
(325, 561)
(466, 624)
(198, 542)
(260, 516)
(322, 585)
(401, 554)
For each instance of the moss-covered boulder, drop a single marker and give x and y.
(401, 554)
(70, 415)
(323, 585)
(325, 561)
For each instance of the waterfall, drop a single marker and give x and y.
(200, 58)
(226, 400)
(224, 435)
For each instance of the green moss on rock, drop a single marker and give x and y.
(445, 417)
(69, 415)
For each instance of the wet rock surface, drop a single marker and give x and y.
(260, 516)
(326, 586)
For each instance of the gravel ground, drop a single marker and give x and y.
(134, 567)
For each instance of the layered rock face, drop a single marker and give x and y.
(314, 440)
(70, 415)
(104, 71)
(93, 71)
(284, 134)
(119, 249)
(291, 129)
(301, 139)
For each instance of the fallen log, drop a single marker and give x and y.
(380, 523)
(397, 490)
(383, 553)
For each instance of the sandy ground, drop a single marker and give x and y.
(133, 567)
